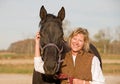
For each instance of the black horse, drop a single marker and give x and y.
(53, 47)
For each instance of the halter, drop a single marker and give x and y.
(59, 53)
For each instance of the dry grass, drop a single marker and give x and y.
(110, 56)
(21, 68)
(14, 63)
(9, 55)
(111, 64)
(112, 68)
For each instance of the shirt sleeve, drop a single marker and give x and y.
(97, 75)
(38, 64)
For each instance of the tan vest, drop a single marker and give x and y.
(82, 68)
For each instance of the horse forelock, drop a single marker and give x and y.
(50, 18)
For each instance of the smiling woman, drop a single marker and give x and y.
(81, 66)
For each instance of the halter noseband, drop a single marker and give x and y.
(59, 53)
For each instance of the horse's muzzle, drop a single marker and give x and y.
(50, 69)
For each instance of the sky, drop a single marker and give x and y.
(19, 19)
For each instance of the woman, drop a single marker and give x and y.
(80, 65)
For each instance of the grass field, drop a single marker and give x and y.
(110, 56)
(22, 69)
(13, 63)
(111, 64)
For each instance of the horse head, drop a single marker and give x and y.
(51, 41)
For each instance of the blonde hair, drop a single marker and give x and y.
(86, 37)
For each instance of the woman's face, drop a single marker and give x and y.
(77, 42)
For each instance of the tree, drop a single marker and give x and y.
(23, 47)
(104, 37)
(117, 33)
(66, 28)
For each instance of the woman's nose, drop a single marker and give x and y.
(77, 42)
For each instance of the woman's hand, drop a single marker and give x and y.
(37, 38)
(78, 81)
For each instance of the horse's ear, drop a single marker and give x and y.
(61, 14)
(43, 13)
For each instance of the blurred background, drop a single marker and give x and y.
(19, 21)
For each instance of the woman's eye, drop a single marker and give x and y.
(74, 39)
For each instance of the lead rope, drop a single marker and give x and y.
(65, 77)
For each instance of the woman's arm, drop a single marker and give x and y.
(78, 81)
(97, 75)
(37, 44)
(38, 63)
